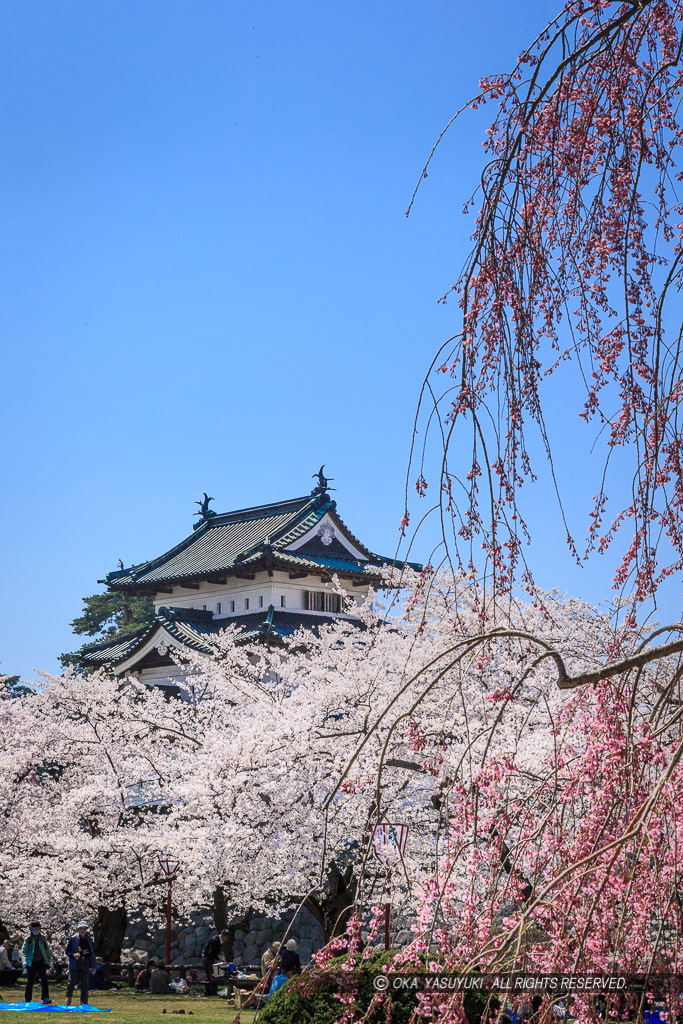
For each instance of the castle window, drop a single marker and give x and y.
(320, 601)
(246, 603)
(282, 600)
(260, 601)
(203, 607)
(232, 606)
(218, 608)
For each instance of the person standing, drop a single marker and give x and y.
(37, 957)
(81, 953)
(211, 954)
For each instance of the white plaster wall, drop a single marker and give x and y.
(271, 589)
(168, 674)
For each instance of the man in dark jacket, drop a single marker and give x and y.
(81, 953)
(212, 952)
(37, 958)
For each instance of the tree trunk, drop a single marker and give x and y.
(220, 908)
(109, 932)
(333, 909)
(220, 920)
(228, 948)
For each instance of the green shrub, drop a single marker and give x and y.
(311, 998)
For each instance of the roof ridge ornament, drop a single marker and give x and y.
(323, 482)
(205, 512)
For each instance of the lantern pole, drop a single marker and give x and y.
(169, 866)
(169, 904)
(388, 844)
(387, 912)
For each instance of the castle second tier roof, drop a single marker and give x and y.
(198, 631)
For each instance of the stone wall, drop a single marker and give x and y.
(145, 941)
(251, 944)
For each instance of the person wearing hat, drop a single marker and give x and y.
(99, 978)
(8, 972)
(269, 957)
(81, 953)
(37, 957)
(289, 958)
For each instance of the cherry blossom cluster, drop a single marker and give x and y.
(544, 817)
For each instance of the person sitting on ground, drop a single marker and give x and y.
(5, 955)
(278, 981)
(289, 958)
(269, 957)
(100, 979)
(158, 982)
(142, 980)
(8, 972)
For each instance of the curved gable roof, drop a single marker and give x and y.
(250, 538)
(220, 543)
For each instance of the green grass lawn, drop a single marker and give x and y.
(128, 1007)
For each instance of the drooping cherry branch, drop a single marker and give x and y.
(576, 258)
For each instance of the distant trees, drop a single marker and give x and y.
(13, 686)
(110, 614)
(69, 765)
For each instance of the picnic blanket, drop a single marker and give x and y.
(54, 1008)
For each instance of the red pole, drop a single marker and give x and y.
(387, 911)
(168, 923)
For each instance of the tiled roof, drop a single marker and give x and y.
(197, 630)
(113, 650)
(249, 538)
(218, 543)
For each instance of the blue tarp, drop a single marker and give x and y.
(54, 1008)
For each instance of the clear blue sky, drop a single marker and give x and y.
(208, 281)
